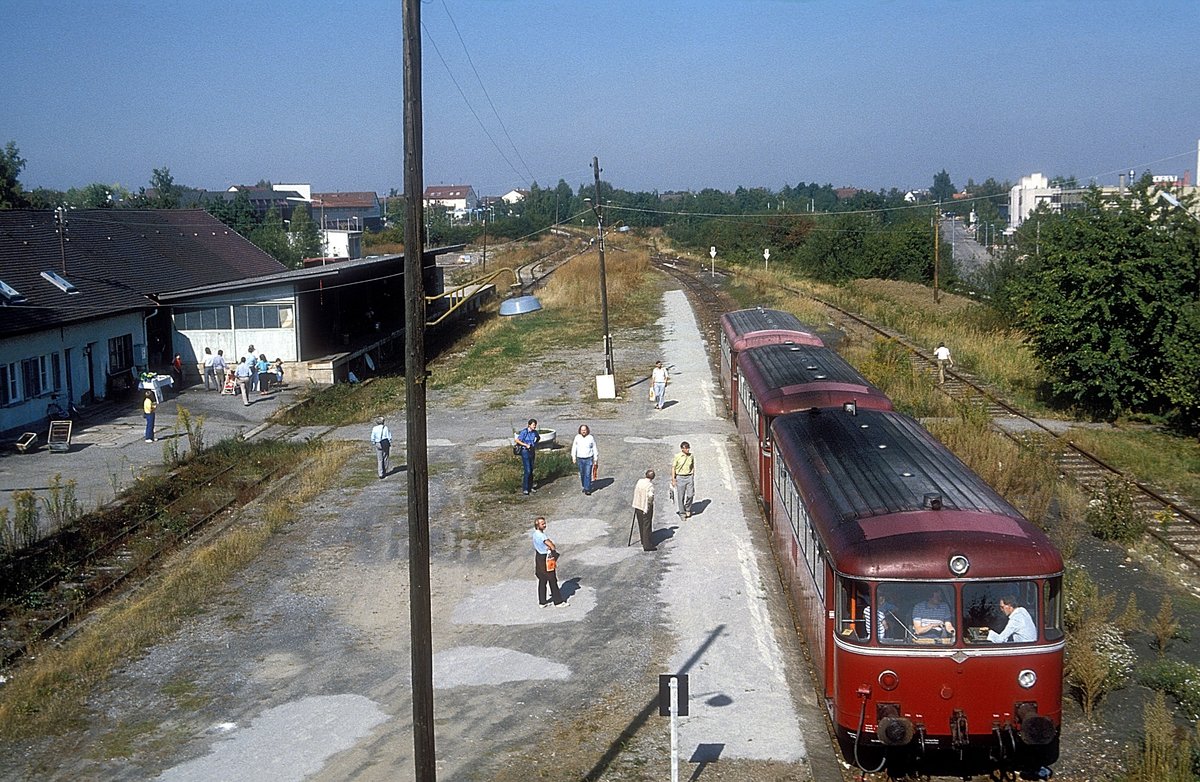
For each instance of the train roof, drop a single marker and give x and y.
(746, 328)
(890, 501)
(789, 378)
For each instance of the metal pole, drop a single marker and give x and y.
(420, 624)
(598, 209)
(937, 216)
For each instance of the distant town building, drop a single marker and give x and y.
(459, 199)
(355, 211)
(514, 196)
(844, 193)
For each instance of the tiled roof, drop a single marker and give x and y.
(117, 259)
(364, 200)
(446, 192)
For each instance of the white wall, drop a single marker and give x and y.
(72, 340)
(276, 343)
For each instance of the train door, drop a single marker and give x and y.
(765, 460)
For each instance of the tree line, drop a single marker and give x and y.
(1109, 293)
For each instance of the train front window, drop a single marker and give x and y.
(897, 613)
(1002, 612)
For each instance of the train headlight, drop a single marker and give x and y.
(1027, 678)
(959, 565)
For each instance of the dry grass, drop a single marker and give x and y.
(569, 323)
(1159, 459)
(48, 694)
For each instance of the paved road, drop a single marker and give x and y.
(970, 255)
(109, 448)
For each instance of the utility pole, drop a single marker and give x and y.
(599, 210)
(420, 623)
(937, 215)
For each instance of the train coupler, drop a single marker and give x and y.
(959, 737)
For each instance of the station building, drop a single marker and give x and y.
(90, 299)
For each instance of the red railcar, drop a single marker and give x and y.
(872, 517)
(777, 379)
(744, 329)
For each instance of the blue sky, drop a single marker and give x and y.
(669, 95)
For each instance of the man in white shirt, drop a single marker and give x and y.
(1020, 627)
(381, 438)
(210, 377)
(942, 354)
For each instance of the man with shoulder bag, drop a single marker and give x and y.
(381, 438)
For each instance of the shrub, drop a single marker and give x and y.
(1181, 680)
(1165, 754)
(1098, 661)
(26, 527)
(61, 506)
(1132, 618)
(1164, 627)
(1113, 516)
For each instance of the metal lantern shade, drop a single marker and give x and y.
(520, 305)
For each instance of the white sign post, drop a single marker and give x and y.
(767, 259)
(673, 702)
(674, 731)
(712, 251)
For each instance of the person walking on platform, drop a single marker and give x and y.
(942, 354)
(526, 440)
(381, 438)
(219, 369)
(244, 377)
(210, 377)
(149, 405)
(584, 454)
(683, 473)
(643, 510)
(545, 565)
(658, 384)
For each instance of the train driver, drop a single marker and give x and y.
(932, 617)
(1020, 627)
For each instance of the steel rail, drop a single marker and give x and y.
(97, 587)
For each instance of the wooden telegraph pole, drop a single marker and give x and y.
(420, 623)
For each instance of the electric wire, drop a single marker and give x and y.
(470, 108)
(486, 95)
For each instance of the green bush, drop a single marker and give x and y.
(1181, 680)
(1112, 515)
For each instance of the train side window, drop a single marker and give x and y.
(1052, 609)
(854, 610)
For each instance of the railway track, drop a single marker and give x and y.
(121, 551)
(1171, 522)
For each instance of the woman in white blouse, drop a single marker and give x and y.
(584, 454)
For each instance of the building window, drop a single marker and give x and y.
(202, 318)
(120, 354)
(10, 392)
(31, 373)
(262, 316)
